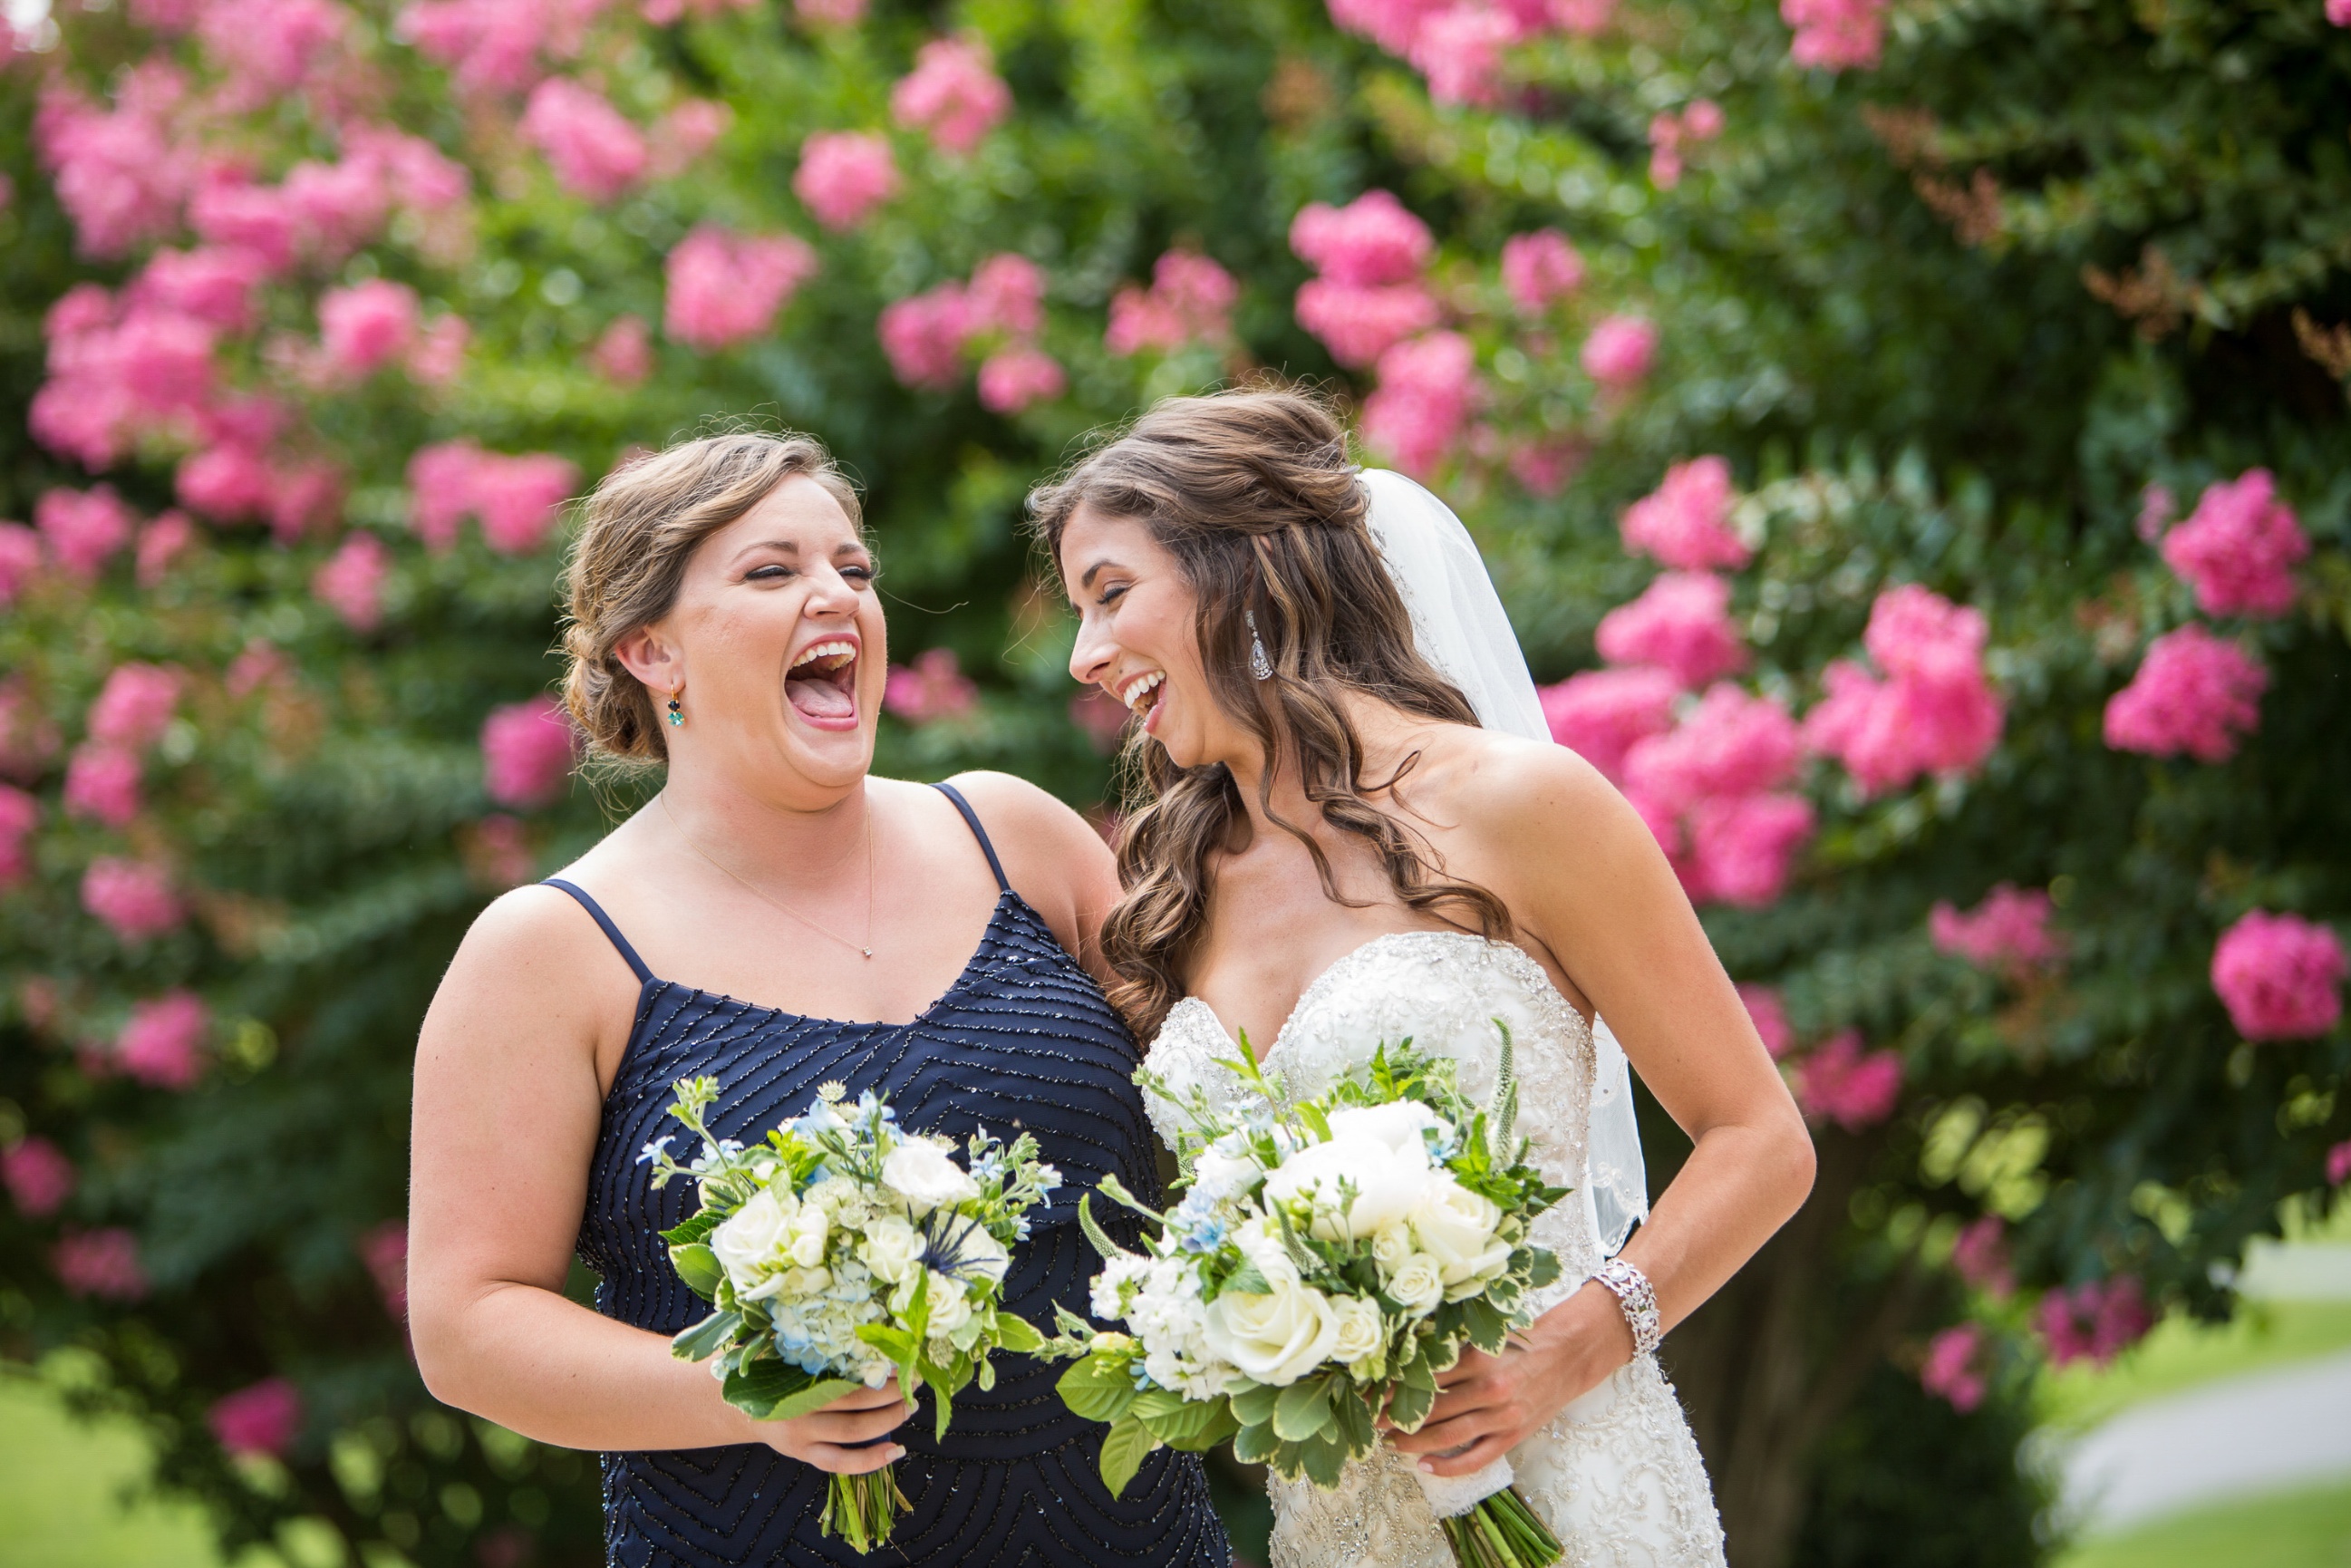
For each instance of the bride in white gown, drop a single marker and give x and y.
(1358, 831)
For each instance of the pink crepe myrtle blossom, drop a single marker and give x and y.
(593, 148)
(212, 284)
(624, 353)
(2338, 12)
(496, 45)
(1360, 323)
(1686, 521)
(1980, 1256)
(1730, 744)
(2155, 510)
(518, 498)
(1190, 300)
(337, 207)
(1540, 267)
(1835, 35)
(829, 13)
(1372, 240)
(685, 130)
(262, 1418)
(1013, 379)
(367, 326)
(1459, 51)
(1841, 1083)
(162, 1045)
(1741, 847)
(118, 371)
(2094, 1322)
(526, 752)
(2338, 1159)
(1008, 295)
(1681, 623)
(1600, 715)
(1415, 414)
(384, 1250)
(259, 664)
(1769, 1015)
(2194, 693)
(1391, 24)
(267, 48)
(724, 289)
(100, 1264)
(84, 528)
(1619, 352)
(20, 814)
(931, 687)
(2280, 977)
(161, 543)
(134, 707)
(662, 13)
(122, 176)
(20, 560)
(843, 176)
(953, 94)
(27, 737)
(229, 212)
(228, 482)
(2238, 549)
(1544, 466)
(439, 352)
(1701, 121)
(102, 785)
(2008, 931)
(134, 898)
(1935, 714)
(923, 334)
(1950, 1368)
(496, 851)
(351, 582)
(38, 1176)
(415, 173)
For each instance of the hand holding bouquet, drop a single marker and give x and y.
(1328, 1260)
(843, 1249)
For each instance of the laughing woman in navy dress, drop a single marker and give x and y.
(778, 918)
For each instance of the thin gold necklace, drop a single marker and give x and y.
(865, 946)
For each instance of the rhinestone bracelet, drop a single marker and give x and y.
(1630, 1288)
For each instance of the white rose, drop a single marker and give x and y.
(1217, 1176)
(1417, 1284)
(802, 1282)
(921, 1172)
(1387, 1182)
(1455, 1227)
(752, 1239)
(979, 1253)
(1391, 1246)
(807, 1235)
(950, 1309)
(1397, 1124)
(889, 1247)
(1274, 1339)
(1360, 1332)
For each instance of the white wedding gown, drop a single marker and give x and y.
(1616, 1473)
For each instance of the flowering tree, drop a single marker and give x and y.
(1827, 384)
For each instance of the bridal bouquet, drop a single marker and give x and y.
(1329, 1258)
(842, 1249)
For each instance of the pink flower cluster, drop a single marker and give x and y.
(1841, 1083)
(1952, 1368)
(1681, 623)
(2194, 693)
(517, 498)
(726, 289)
(118, 369)
(1540, 267)
(2009, 930)
(999, 313)
(2338, 1159)
(2239, 548)
(1980, 1256)
(594, 150)
(1427, 387)
(1190, 300)
(496, 45)
(267, 48)
(953, 94)
(369, 325)
(163, 1044)
(134, 707)
(1710, 790)
(1686, 521)
(526, 752)
(931, 687)
(384, 1250)
(103, 1264)
(2093, 1323)
(624, 354)
(1600, 713)
(1835, 35)
(261, 1419)
(2280, 977)
(1769, 1015)
(686, 129)
(161, 543)
(102, 785)
(20, 560)
(1701, 121)
(351, 582)
(1934, 713)
(1619, 352)
(122, 176)
(20, 814)
(135, 899)
(845, 175)
(38, 1176)
(1369, 295)
(1457, 44)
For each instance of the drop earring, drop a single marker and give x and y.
(1259, 665)
(676, 709)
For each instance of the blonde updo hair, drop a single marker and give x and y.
(637, 532)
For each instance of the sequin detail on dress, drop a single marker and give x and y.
(1022, 1041)
(1616, 1473)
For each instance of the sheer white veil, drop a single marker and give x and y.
(1460, 626)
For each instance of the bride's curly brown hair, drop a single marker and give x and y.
(1252, 492)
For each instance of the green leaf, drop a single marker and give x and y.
(896, 1343)
(1173, 1418)
(1303, 1409)
(1124, 1448)
(1543, 1269)
(1254, 1404)
(812, 1398)
(1018, 1334)
(698, 1266)
(694, 1229)
(707, 1338)
(1246, 1281)
(1408, 1405)
(1323, 1459)
(1488, 1328)
(1099, 1389)
(1350, 1421)
(1111, 1187)
(1094, 1232)
(1255, 1443)
(1219, 1427)
(1311, 1115)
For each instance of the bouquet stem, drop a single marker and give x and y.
(1501, 1532)
(863, 1507)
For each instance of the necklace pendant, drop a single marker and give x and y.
(867, 951)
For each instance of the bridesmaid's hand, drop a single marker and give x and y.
(827, 1438)
(1490, 1403)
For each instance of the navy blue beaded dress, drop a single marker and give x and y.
(1023, 1040)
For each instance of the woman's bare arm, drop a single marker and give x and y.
(506, 1109)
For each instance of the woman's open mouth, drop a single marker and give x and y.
(822, 684)
(1144, 695)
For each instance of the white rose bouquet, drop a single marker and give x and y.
(1329, 1258)
(840, 1250)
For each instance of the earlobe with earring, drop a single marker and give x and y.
(676, 708)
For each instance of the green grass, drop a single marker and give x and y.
(2293, 1530)
(62, 1484)
(2182, 1353)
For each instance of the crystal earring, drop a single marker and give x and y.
(677, 710)
(1259, 665)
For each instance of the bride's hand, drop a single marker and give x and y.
(825, 1439)
(1488, 1405)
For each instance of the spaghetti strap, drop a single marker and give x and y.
(645, 975)
(972, 817)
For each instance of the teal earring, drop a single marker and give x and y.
(676, 711)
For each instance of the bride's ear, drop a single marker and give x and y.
(653, 659)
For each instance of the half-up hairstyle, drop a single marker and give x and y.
(1252, 492)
